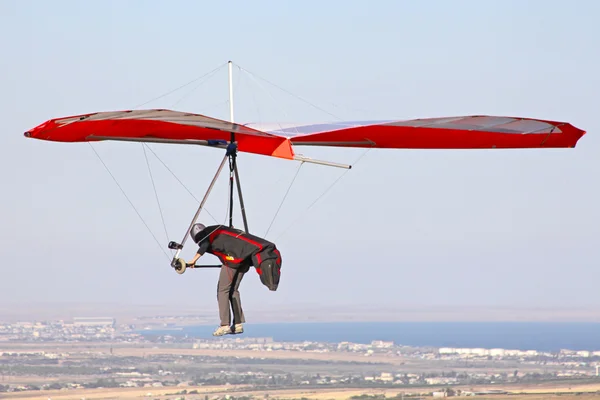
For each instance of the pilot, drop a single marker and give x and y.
(237, 251)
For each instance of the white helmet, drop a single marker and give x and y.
(196, 229)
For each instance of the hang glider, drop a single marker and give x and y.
(175, 127)
(167, 126)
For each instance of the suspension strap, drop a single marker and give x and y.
(241, 197)
(232, 154)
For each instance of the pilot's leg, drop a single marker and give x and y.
(236, 301)
(229, 296)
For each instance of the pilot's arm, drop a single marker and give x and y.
(193, 261)
(201, 250)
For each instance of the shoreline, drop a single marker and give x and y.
(523, 336)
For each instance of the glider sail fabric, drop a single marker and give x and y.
(166, 126)
(468, 132)
(163, 126)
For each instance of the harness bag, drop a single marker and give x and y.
(236, 248)
(268, 266)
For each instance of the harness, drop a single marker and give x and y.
(245, 248)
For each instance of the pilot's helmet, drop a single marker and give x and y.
(196, 229)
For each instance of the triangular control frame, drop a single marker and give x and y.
(231, 155)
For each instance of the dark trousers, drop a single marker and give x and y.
(228, 295)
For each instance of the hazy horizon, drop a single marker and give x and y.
(295, 313)
(504, 229)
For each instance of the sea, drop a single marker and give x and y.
(540, 336)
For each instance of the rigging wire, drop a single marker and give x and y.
(182, 86)
(283, 200)
(290, 93)
(130, 202)
(322, 194)
(180, 182)
(253, 98)
(195, 87)
(272, 98)
(156, 194)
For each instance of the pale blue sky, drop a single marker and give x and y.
(498, 228)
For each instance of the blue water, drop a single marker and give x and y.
(540, 336)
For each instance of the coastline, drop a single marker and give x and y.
(539, 336)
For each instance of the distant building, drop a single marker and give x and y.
(386, 377)
(94, 321)
(382, 344)
(447, 350)
(497, 352)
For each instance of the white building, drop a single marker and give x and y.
(94, 321)
(382, 344)
(447, 350)
(497, 352)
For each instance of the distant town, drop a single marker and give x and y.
(98, 352)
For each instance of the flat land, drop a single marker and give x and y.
(244, 357)
(535, 392)
(229, 359)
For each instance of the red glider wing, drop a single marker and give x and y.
(467, 132)
(166, 126)
(163, 126)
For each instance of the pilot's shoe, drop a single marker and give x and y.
(222, 330)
